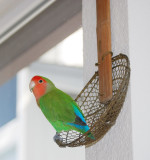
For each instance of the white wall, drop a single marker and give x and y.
(139, 38)
(117, 143)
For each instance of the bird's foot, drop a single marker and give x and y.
(58, 140)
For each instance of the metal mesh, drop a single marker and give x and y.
(99, 117)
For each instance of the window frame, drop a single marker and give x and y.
(17, 56)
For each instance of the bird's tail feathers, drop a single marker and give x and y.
(82, 129)
(90, 135)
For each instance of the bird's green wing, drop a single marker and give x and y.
(58, 106)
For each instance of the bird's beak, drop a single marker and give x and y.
(31, 85)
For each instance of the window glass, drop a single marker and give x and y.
(7, 101)
(9, 155)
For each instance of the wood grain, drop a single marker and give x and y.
(103, 48)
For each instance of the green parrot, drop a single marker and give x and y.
(58, 107)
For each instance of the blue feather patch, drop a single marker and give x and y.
(79, 114)
(84, 128)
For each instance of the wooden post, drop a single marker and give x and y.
(103, 49)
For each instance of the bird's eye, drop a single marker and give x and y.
(40, 81)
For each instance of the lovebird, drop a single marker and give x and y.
(58, 107)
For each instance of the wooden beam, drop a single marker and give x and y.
(103, 49)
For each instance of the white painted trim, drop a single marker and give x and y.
(8, 136)
(41, 47)
(45, 31)
(23, 20)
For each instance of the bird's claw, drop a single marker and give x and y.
(57, 139)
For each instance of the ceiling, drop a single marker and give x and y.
(46, 29)
(15, 12)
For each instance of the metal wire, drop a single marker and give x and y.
(100, 117)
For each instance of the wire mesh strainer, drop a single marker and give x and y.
(99, 117)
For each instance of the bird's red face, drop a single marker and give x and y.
(38, 85)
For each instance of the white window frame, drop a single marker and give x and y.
(8, 136)
(60, 20)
